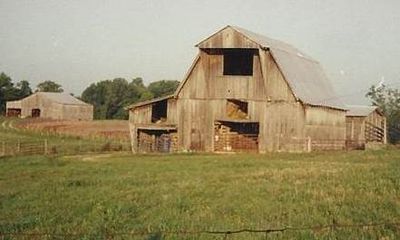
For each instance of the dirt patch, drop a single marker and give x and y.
(114, 129)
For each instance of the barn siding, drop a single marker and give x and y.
(285, 123)
(326, 126)
(52, 109)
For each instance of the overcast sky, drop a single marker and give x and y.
(80, 42)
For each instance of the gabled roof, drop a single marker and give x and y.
(303, 74)
(62, 98)
(360, 110)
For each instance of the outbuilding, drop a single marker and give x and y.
(50, 105)
(365, 127)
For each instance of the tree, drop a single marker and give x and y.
(24, 89)
(49, 86)
(110, 97)
(9, 92)
(6, 91)
(163, 87)
(388, 100)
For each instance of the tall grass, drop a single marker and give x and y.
(59, 144)
(102, 195)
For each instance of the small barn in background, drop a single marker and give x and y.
(243, 92)
(50, 105)
(365, 125)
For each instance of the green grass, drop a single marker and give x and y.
(61, 144)
(95, 196)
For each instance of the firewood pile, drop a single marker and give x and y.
(227, 140)
(165, 142)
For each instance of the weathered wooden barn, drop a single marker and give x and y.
(243, 92)
(365, 125)
(50, 105)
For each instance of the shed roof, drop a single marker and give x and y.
(151, 101)
(62, 98)
(360, 110)
(304, 75)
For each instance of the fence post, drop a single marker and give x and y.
(46, 147)
(308, 144)
(19, 146)
(3, 148)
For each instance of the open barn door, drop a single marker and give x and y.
(151, 140)
(236, 136)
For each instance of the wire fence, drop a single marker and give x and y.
(223, 234)
(48, 147)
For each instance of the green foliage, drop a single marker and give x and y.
(49, 86)
(110, 97)
(388, 100)
(163, 87)
(99, 196)
(10, 92)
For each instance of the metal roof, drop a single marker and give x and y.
(304, 75)
(62, 98)
(151, 101)
(359, 110)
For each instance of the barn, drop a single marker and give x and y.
(50, 105)
(243, 92)
(365, 127)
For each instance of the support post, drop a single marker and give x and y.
(308, 144)
(18, 146)
(384, 131)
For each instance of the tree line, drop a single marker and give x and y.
(109, 97)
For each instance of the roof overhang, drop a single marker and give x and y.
(151, 101)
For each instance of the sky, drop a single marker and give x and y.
(79, 42)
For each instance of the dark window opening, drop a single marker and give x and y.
(36, 112)
(14, 112)
(159, 112)
(236, 109)
(238, 62)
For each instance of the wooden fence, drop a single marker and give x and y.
(44, 147)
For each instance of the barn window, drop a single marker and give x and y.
(159, 111)
(238, 62)
(236, 109)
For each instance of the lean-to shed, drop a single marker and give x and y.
(50, 105)
(365, 125)
(243, 92)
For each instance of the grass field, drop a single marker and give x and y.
(116, 196)
(60, 143)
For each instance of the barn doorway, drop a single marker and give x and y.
(236, 136)
(35, 113)
(157, 140)
(13, 112)
(159, 111)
